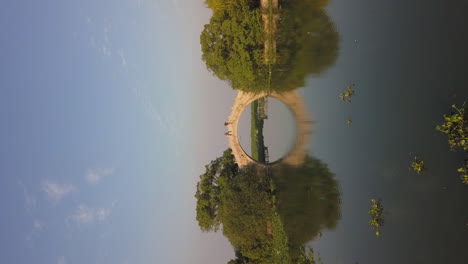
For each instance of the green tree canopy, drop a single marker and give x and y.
(217, 173)
(232, 46)
(219, 5)
(246, 207)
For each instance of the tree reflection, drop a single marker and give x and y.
(308, 201)
(307, 42)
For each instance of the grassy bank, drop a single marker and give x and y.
(256, 132)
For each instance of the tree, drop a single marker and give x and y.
(246, 206)
(239, 201)
(209, 187)
(232, 46)
(219, 5)
(240, 259)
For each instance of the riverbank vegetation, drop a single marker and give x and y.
(268, 214)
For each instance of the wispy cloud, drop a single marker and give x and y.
(87, 215)
(105, 51)
(122, 58)
(94, 176)
(56, 191)
(29, 200)
(37, 227)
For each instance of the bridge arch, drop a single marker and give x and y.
(296, 156)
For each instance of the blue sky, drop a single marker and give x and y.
(100, 123)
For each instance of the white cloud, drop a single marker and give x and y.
(94, 176)
(87, 215)
(56, 191)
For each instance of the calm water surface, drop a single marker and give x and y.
(409, 65)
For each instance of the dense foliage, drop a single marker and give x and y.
(267, 217)
(240, 201)
(208, 193)
(232, 46)
(220, 5)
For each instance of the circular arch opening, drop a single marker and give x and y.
(267, 130)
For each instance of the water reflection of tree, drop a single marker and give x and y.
(233, 42)
(307, 43)
(308, 201)
(244, 203)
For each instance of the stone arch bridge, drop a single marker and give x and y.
(296, 156)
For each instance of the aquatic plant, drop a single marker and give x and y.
(376, 213)
(418, 165)
(347, 94)
(464, 172)
(455, 128)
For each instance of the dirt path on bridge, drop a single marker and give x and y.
(269, 10)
